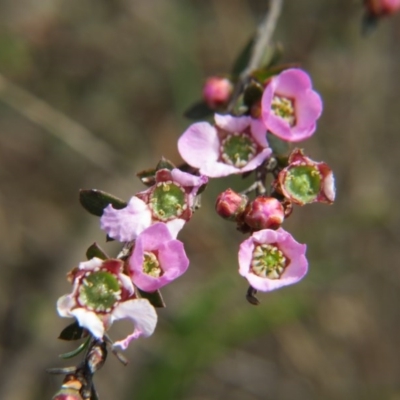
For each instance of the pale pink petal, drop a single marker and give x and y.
(267, 236)
(216, 169)
(126, 224)
(126, 283)
(245, 254)
(232, 124)
(65, 304)
(91, 264)
(256, 161)
(143, 315)
(198, 144)
(185, 179)
(329, 186)
(90, 321)
(174, 226)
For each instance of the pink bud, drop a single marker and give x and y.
(378, 8)
(230, 205)
(264, 213)
(217, 91)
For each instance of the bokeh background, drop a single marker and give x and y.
(93, 91)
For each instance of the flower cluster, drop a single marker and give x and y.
(255, 123)
(287, 108)
(105, 290)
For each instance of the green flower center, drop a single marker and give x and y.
(268, 261)
(99, 291)
(168, 201)
(303, 183)
(284, 108)
(151, 266)
(238, 149)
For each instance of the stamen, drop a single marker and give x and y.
(283, 107)
(268, 261)
(151, 265)
(238, 149)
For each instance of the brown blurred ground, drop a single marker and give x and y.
(124, 71)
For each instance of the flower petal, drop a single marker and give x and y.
(175, 225)
(259, 132)
(65, 304)
(232, 124)
(143, 315)
(198, 144)
(292, 82)
(126, 224)
(90, 321)
(185, 179)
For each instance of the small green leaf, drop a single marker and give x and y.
(243, 58)
(199, 110)
(73, 332)
(96, 251)
(95, 201)
(147, 176)
(75, 352)
(278, 146)
(165, 164)
(154, 298)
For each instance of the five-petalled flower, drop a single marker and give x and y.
(232, 146)
(289, 106)
(170, 200)
(271, 259)
(102, 294)
(157, 258)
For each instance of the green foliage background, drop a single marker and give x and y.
(122, 72)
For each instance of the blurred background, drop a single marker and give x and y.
(92, 92)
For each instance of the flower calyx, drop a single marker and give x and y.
(230, 204)
(264, 213)
(306, 181)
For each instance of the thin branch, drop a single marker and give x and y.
(78, 138)
(264, 36)
(261, 43)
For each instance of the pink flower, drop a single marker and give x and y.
(102, 294)
(232, 146)
(170, 200)
(379, 8)
(272, 259)
(289, 106)
(157, 258)
(217, 91)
